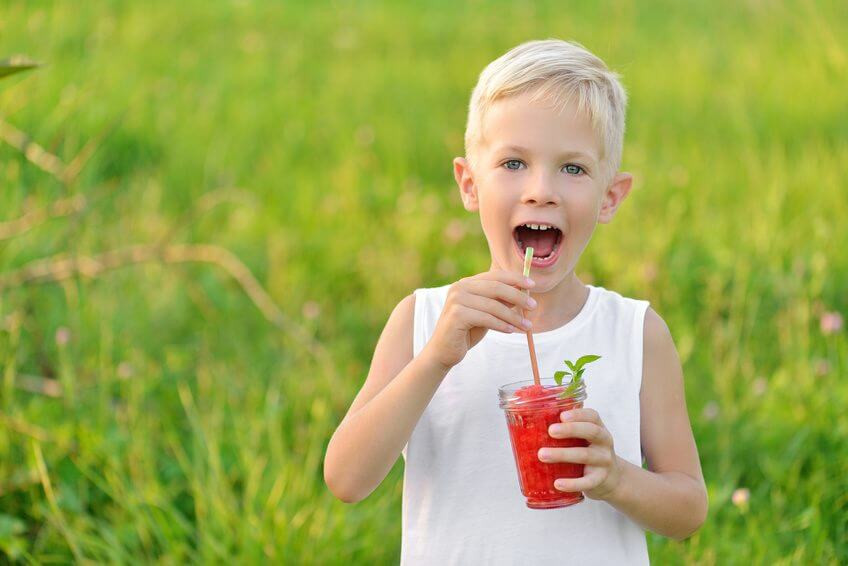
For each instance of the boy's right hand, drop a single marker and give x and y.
(474, 305)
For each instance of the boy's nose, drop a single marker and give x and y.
(540, 191)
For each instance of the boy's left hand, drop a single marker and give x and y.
(602, 471)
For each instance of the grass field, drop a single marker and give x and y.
(160, 411)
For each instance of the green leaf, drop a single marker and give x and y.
(16, 64)
(570, 390)
(586, 360)
(577, 376)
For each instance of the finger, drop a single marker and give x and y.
(586, 483)
(501, 292)
(508, 277)
(590, 431)
(584, 415)
(464, 287)
(496, 309)
(473, 318)
(575, 455)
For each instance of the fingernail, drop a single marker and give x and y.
(529, 281)
(544, 455)
(559, 484)
(553, 430)
(531, 302)
(565, 415)
(526, 324)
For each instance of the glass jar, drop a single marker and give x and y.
(530, 409)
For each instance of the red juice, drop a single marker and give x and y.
(530, 410)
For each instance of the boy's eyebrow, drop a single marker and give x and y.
(570, 154)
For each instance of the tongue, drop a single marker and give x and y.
(542, 241)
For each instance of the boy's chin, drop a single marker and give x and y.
(552, 277)
(546, 281)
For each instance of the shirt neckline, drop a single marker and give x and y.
(519, 337)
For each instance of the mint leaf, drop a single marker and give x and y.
(585, 360)
(576, 377)
(570, 390)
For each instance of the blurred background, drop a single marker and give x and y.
(209, 209)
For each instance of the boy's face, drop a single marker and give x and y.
(535, 165)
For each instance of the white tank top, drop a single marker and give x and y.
(461, 500)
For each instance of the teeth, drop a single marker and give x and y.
(538, 226)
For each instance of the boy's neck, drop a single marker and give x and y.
(559, 305)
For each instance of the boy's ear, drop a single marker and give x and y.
(615, 193)
(465, 180)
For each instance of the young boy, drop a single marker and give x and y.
(543, 145)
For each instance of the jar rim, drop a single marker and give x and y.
(508, 399)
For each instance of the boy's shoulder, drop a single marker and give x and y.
(439, 289)
(657, 336)
(658, 346)
(612, 295)
(613, 302)
(658, 339)
(438, 294)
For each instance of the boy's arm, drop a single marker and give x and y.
(399, 387)
(381, 419)
(671, 498)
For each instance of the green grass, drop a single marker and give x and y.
(191, 428)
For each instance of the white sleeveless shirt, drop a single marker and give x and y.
(461, 500)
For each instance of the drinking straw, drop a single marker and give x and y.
(528, 259)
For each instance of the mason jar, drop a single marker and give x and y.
(530, 410)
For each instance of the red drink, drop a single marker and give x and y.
(530, 409)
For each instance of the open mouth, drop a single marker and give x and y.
(546, 244)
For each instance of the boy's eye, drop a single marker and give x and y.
(571, 168)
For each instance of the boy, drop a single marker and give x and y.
(543, 145)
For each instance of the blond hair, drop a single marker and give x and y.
(559, 71)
